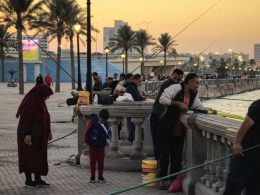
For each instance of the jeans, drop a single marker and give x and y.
(174, 158)
(242, 176)
(131, 130)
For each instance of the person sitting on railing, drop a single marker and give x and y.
(245, 166)
(178, 99)
(110, 85)
(132, 88)
(120, 88)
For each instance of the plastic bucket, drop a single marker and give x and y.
(149, 168)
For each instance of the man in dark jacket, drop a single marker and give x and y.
(178, 99)
(97, 82)
(158, 109)
(245, 167)
(132, 88)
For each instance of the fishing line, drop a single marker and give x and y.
(180, 172)
(31, 38)
(204, 13)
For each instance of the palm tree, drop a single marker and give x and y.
(53, 20)
(17, 13)
(75, 14)
(141, 41)
(166, 45)
(124, 41)
(4, 37)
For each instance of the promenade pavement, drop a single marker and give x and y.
(64, 177)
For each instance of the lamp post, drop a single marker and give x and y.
(77, 28)
(123, 57)
(106, 50)
(89, 78)
(142, 65)
(161, 62)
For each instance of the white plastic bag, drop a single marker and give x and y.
(127, 97)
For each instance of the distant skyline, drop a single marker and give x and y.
(233, 24)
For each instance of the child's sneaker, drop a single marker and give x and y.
(92, 179)
(101, 179)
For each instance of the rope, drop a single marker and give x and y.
(74, 131)
(180, 172)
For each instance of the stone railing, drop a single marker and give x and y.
(122, 155)
(208, 137)
(210, 88)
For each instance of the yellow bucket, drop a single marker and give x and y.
(149, 171)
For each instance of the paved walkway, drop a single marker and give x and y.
(65, 178)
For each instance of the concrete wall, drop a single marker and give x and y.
(210, 88)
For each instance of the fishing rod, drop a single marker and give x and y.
(192, 59)
(222, 114)
(205, 12)
(186, 27)
(184, 67)
(181, 172)
(245, 100)
(42, 49)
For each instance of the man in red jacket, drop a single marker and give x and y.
(48, 80)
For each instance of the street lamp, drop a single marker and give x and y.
(161, 62)
(106, 50)
(77, 28)
(142, 65)
(89, 66)
(123, 57)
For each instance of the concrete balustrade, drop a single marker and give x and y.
(121, 154)
(215, 136)
(211, 88)
(208, 137)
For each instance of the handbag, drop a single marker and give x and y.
(105, 99)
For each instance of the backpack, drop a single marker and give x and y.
(98, 136)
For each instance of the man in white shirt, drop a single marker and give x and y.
(177, 98)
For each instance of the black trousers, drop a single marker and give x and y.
(173, 158)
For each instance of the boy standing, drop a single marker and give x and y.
(97, 135)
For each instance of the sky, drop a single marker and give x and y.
(233, 24)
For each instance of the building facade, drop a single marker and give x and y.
(43, 42)
(110, 32)
(257, 52)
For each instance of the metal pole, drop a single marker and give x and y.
(106, 66)
(124, 65)
(79, 72)
(89, 78)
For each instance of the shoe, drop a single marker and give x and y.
(41, 183)
(101, 179)
(176, 185)
(30, 183)
(92, 179)
(163, 186)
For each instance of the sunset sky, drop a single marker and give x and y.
(234, 24)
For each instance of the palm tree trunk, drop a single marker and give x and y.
(2, 56)
(126, 61)
(20, 51)
(57, 86)
(164, 61)
(72, 62)
(142, 62)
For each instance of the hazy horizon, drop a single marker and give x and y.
(233, 24)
